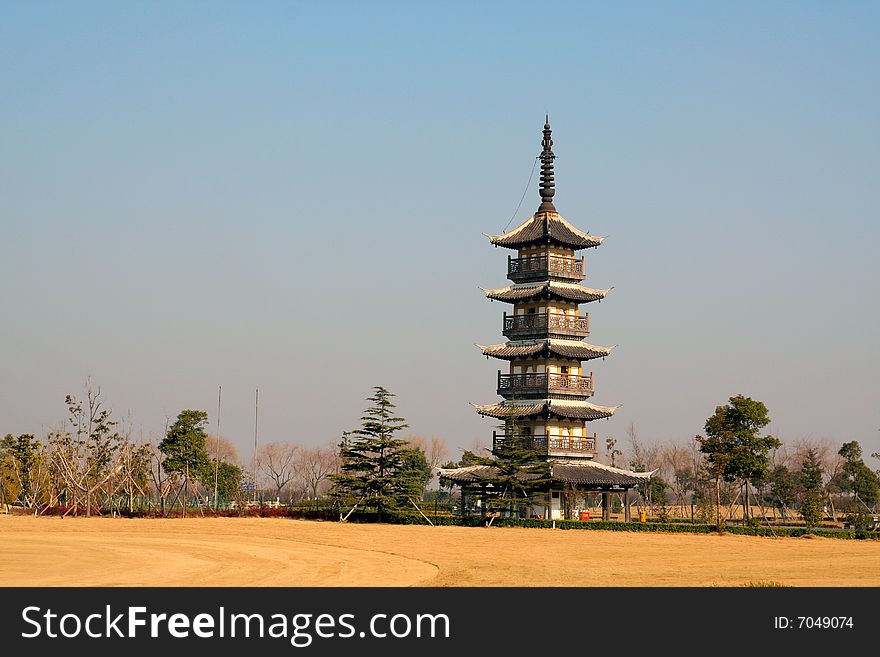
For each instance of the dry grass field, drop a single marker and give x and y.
(282, 552)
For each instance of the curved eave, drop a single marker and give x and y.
(546, 290)
(597, 474)
(547, 408)
(547, 347)
(546, 228)
(590, 473)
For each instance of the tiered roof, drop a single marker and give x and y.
(588, 473)
(565, 410)
(577, 349)
(546, 290)
(546, 228)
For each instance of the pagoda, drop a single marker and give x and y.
(546, 391)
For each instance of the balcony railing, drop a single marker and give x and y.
(553, 444)
(544, 266)
(542, 324)
(543, 383)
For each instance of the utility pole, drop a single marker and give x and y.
(256, 420)
(217, 450)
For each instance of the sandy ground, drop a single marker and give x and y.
(282, 552)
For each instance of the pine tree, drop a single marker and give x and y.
(521, 473)
(376, 467)
(810, 479)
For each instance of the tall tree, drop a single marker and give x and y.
(856, 478)
(810, 479)
(373, 459)
(733, 447)
(86, 460)
(184, 449)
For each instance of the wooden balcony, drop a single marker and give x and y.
(542, 267)
(552, 444)
(541, 325)
(540, 384)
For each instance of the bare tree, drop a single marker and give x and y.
(677, 462)
(278, 461)
(315, 465)
(435, 449)
(222, 448)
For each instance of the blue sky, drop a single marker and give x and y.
(292, 196)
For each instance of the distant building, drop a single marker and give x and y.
(545, 389)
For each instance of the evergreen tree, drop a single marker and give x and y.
(521, 473)
(228, 480)
(376, 467)
(733, 448)
(857, 478)
(783, 487)
(810, 480)
(414, 475)
(184, 449)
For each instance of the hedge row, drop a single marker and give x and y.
(414, 518)
(669, 527)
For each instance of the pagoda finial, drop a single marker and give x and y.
(548, 187)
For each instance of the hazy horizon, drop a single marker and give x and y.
(292, 197)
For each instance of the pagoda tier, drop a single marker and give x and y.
(573, 349)
(590, 474)
(548, 323)
(546, 408)
(546, 228)
(548, 290)
(537, 264)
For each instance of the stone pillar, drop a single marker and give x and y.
(627, 516)
(606, 505)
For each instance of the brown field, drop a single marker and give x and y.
(282, 552)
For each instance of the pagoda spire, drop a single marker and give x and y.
(548, 187)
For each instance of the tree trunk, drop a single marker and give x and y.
(718, 502)
(746, 502)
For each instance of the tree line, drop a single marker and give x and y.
(93, 465)
(734, 463)
(731, 464)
